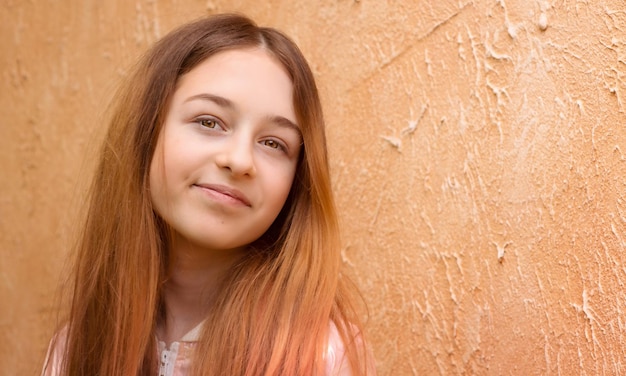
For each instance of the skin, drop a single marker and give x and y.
(222, 170)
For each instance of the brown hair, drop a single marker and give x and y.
(276, 306)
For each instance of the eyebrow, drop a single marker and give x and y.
(224, 102)
(221, 101)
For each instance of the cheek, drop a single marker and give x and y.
(156, 178)
(284, 187)
(165, 167)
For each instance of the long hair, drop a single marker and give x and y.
(272, 314)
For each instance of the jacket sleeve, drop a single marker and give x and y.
(336, 362)
(56, 349)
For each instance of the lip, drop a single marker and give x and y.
(225, 191)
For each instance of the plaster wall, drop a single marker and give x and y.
(478, 158)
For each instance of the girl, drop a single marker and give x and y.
(211, 242)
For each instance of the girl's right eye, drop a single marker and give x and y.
(209, 123)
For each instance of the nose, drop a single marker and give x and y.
(237, 156)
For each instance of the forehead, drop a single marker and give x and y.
(252, 77)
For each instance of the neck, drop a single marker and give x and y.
(193, 275)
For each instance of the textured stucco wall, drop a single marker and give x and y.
(478, 157)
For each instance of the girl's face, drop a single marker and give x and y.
(227, 154)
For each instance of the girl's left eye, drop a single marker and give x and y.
(272, 144)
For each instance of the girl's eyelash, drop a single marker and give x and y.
(207, 122)
(213, 123)
(279, 145)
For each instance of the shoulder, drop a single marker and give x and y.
(337, 363)
(54, 357)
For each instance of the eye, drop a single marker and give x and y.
(272, 144)
(209, 123)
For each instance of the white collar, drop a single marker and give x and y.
(194, 334)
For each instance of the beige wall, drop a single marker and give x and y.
(478, 157)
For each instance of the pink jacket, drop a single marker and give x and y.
(176, 360)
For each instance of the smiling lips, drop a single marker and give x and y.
(225, 191)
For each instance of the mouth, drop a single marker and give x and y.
(223, 190)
